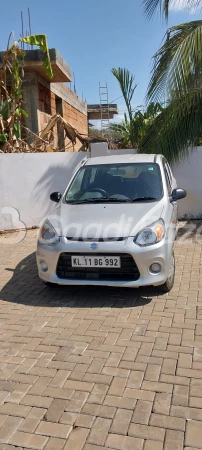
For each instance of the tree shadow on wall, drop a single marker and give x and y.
(55, 178)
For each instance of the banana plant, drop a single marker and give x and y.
(11, 110)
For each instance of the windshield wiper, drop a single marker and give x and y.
(142, 199)
(110, 200)
(100, 199)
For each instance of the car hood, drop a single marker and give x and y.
(97, 221)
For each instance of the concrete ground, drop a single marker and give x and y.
(96, 368)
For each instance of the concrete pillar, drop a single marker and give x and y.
(31, 102)
(99, 149)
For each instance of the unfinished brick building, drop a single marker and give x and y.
(44, 97)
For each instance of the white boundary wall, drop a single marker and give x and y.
(27, 180)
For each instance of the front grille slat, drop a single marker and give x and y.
(127, 272)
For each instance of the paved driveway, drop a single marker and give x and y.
(99, 368)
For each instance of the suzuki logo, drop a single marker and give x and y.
(94, 246)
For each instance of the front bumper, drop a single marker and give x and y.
(160, 253)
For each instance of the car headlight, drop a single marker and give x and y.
(151, 235)
(48, 234)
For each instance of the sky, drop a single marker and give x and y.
(93, 36)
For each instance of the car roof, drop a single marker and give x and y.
(121, 159)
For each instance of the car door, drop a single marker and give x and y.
(173, 186)
(173, 206)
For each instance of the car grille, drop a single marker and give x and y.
(79, 239)
(128, 270)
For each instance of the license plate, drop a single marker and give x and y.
(96, 261)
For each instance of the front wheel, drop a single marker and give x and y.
(168, 285)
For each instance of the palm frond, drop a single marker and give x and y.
(127, 84)
(178, 64)
(151, 6)
(176, 128)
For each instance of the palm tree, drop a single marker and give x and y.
(135, 122)
(176, 82)
(164, 5)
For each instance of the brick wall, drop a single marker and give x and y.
(76, 118)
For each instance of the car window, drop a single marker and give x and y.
(169, 171)
(77, 183)
(126, 181)
(168, 180)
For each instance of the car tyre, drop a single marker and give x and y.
(168, 285)
(48, 284)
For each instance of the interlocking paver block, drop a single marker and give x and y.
(142, 412)
(99, 410)
(180, 395)
(120, 402)
(174, 440)
(32, 420)
(153, 445)
(54, 429)
(121, 421)
(55, 444)
(162, 403)
(99, 431)
(77, 401)
(8, 428)
(77, 439)
(146, 432)
(56, 410)
(123, 442)
(14, 410)
(36, 400)
(152, 372)
(84, 365)
(29, 440)
(193, 434)
(173, 423)
(98, 394)
(117, 387)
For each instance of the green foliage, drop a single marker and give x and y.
(11, 109)
(178, 64)
(132, 132)
(4, 108)
(178, 127)
(3, 137)
(40, 40)
(127, 85)
(17, 129)
(176, 81)
(151, 6)
(136, 122)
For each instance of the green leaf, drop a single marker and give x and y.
(17, 112)
(17, 129)
(24, 112)
(176, 129)
(150, 6)
(3, 138)
(40, 41)
(4, 108)
(127, 85)
(177, 65)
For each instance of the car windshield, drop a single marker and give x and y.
(131, 182)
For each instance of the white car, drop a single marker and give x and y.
(115, 225)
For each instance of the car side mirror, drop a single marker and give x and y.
(55, 197)
(177, 194)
